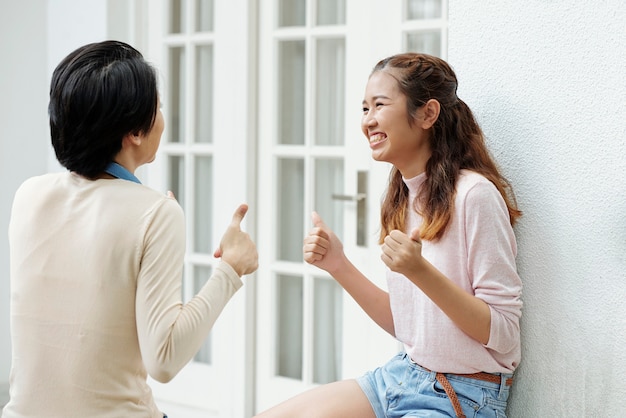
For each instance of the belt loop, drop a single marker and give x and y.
(432, 375)
(504, 379)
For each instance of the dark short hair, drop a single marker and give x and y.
(99, 93)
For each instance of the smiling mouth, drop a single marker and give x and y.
(376, 138)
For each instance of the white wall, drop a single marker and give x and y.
(23, 129)
(34, 36)
(547, 79)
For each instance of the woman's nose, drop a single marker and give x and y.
(369, 119)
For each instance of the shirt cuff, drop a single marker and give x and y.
(230, 274)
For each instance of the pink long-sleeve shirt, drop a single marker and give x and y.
(477, 252)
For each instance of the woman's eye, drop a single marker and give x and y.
(379, 104)
(365, 110)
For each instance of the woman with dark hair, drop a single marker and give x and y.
(454, 295)
(97, 258)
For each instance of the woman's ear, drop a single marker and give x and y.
(431, 112)
(132, 138)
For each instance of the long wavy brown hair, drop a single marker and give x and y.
(456, 141)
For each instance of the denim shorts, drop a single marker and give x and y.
(402, 388)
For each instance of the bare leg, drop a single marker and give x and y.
(343, 399)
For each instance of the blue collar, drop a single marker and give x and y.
(120, 172)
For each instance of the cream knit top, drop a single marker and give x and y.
(96, 270)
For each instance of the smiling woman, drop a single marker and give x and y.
(453, 295)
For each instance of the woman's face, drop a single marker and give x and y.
(385, 123)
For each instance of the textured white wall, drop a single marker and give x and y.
(547, 80)
(34, 36)
(23, 130)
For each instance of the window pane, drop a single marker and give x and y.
(328, 330)
(203, 205)
(331, 12)
(426, 42)
(176, 180)
(177, 16)
(291, 84)
(291, 13)
(330, 90)
(201, 274)
(423, 9)
(329, 181)
(290, 209)
(176, 108)
(204, 15)
(204, 93)
(289, 316)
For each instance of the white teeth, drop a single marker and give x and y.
(377, 138)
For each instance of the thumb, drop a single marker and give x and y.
(317, 220)
(415, 235)
(238, 215)
(234, 223)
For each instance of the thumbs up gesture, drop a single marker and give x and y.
(402, 253)
(321, 246)
(236, 248)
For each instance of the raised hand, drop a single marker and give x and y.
(402, 253)
(236, 248)
(321, 247)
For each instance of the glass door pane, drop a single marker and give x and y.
(176, 94)
(329, 175)
(204, 94)
(204, 15)
(423, 9)
(331, 12)
(176, 181)
(289, 317)
(291, 90)
(291, 12)
(330, 91)
(425, 42)
(203, 205)
(177, 13)
(327, 331)
(290, 208)
(201, 275)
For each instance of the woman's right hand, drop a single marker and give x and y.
(236, 248)
(321, 247)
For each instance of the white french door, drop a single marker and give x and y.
(262, 105)
(315, 57)
(202, 52)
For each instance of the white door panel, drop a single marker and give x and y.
(262, 104)
(202, 51)
(303, 55)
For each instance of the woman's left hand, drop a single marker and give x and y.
(402, 253)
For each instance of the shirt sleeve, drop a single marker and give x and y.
(170, 332)
(491, 261)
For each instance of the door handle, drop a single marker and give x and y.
(361, 206)
(348, 198)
